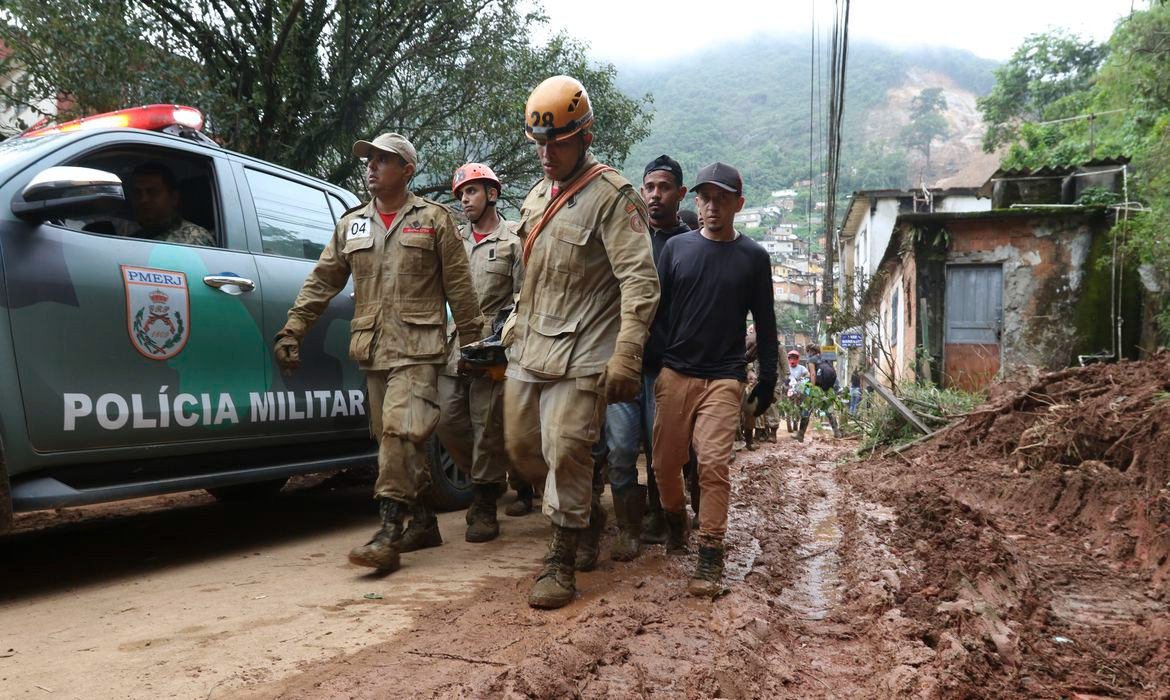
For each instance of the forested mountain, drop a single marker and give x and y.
(748, 104)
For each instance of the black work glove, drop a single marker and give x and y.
(762, 396)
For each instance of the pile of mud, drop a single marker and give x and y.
(1085, 451)
(1034, 534)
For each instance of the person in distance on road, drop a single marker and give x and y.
(711, 280)
(406, 261)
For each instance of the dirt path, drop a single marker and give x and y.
(845, 579)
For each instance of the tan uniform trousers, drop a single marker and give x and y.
(404, 410)
(471, 426)
(550, 429)
(704, 413)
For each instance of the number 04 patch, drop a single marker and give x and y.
(358, 228)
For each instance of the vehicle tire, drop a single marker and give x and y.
(255, 491)
(450, 488)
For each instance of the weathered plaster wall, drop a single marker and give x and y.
(1044, 265)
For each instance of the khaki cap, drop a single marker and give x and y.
(390, 143)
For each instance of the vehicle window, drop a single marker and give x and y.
(337, 206)
(295, 219)
(170, 196)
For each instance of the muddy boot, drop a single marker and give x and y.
(836, 426)
(589, 544)
(628, 506)
(556, 583)
(523, 503)
(799, 437)
(679, 526)
(482, 525)
(654, 530)
(423, 530)
(708, 578)
(381, 552)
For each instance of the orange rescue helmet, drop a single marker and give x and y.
(557, 109)
(469, 172)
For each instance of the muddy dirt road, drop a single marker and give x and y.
(844, 580)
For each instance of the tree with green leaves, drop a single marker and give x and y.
(926, 121)
(1047, 78)
(297, 81)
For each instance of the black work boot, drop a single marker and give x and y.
(423, 530)
(628, 506)
(679, 526)
(556, 583)
(381, 552)
(654, 522)
(589, 543)
(523, 503)
(482, 525)
(707, 580)
(799, 437)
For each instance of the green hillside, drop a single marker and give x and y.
(748, 105)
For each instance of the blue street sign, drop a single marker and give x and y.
(850, 340)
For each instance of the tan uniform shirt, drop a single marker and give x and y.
(497, 271)
(402, 277)
(590, 280)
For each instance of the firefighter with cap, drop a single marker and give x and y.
(582, 319)
(406, 261)
(471, 407)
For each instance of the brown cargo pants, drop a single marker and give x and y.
(404, 410)
(704, 413)
(550, 429)
(471, 426)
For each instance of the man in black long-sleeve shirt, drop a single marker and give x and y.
(711, 280)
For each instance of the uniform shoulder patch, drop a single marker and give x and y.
(351, 210)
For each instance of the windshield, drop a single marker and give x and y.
(17, 149)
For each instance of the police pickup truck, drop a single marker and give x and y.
(132, 366)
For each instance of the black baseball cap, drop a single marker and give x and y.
(722, 175)
(665, 162)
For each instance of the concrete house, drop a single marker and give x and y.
(959, 295)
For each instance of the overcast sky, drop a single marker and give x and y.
(629, 32)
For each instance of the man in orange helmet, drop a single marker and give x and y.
(471, 408)
(581, 321)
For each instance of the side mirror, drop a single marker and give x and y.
(65, 191)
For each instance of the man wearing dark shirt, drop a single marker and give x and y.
(711, 280)
(628, 426)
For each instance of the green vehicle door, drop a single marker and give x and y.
(126, 342)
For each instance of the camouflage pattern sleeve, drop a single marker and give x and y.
(328, 278)
(457, 284)
(189, 233)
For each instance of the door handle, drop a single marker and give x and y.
(229, 283)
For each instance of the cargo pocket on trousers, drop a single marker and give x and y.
(361, 337)
(422, 415)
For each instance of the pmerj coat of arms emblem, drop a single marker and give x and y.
(158, 311)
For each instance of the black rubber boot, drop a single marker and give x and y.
(589, 543)
(628, 506)
(523, 503)
(680, 530)
(799, 437)
(708, 578)
(381, 552)
(654, 523)
(556, 584)
(482, 525)
(423, 530)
